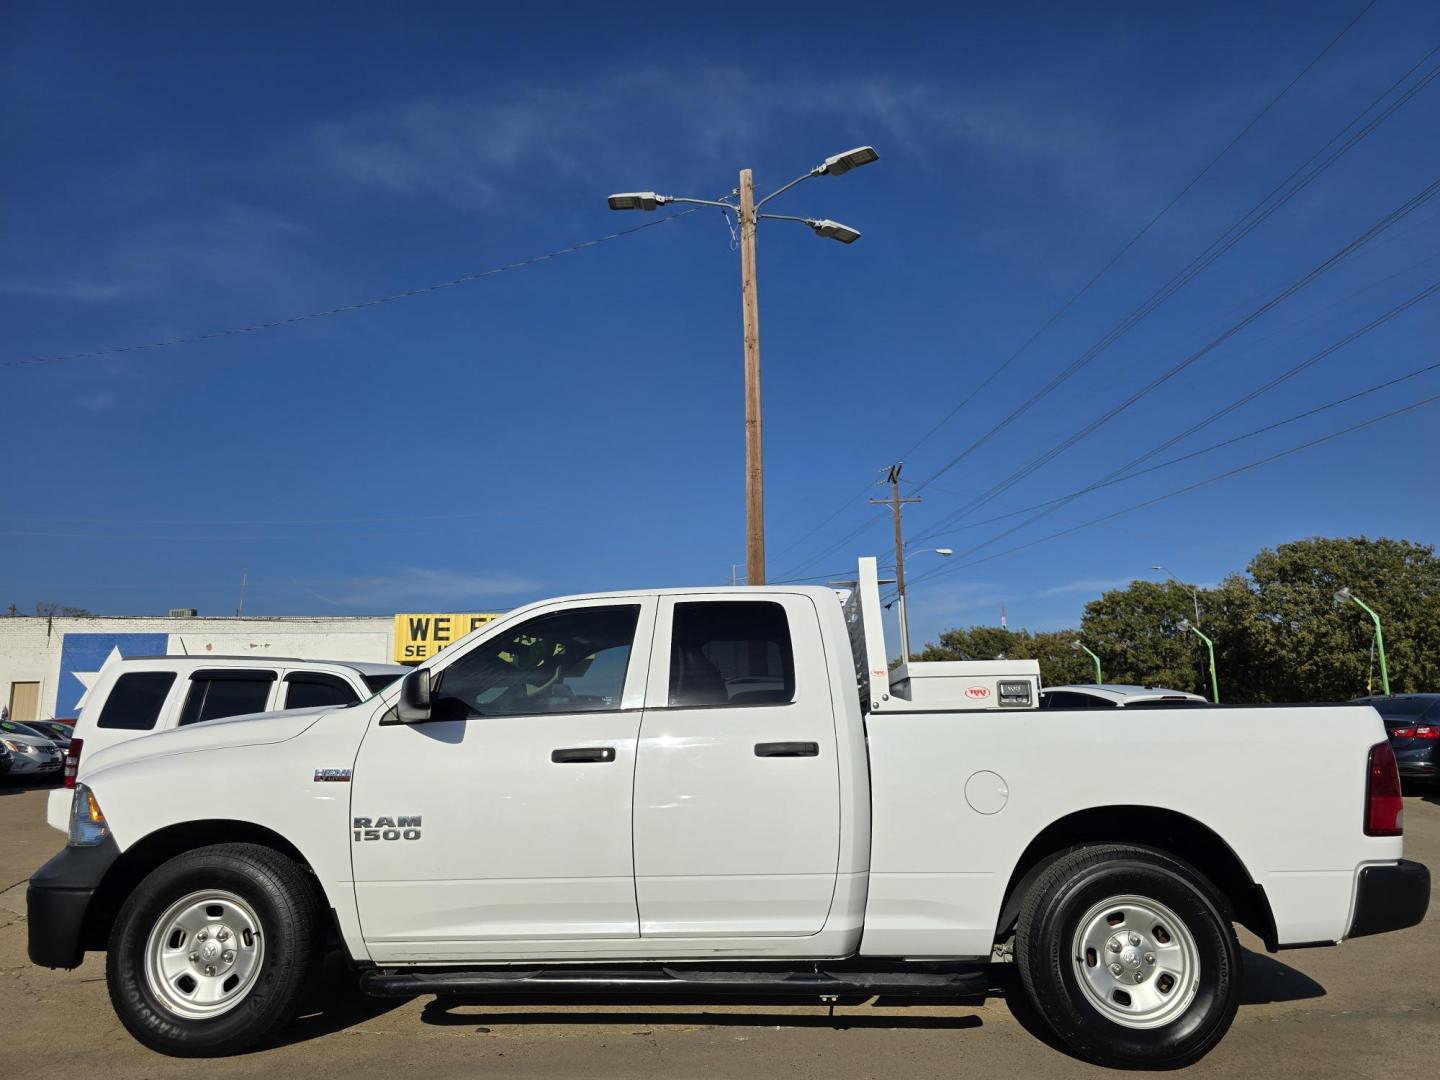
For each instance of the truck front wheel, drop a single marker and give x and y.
(1129, 956)
(210, 952)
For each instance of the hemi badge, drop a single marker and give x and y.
(340, 776)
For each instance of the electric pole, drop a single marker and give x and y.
(754, 443)
(895, 502)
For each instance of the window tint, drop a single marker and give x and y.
(135, 700)
(306, 691)
(213, 697)
(376, 683)
(1068, 699)
(731, 653)
(564, 662)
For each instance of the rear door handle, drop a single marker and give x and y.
(787, 749)
(575, 754)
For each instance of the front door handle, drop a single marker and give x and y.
(787, 749)
(575, 754)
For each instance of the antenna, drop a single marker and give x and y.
(244, 576)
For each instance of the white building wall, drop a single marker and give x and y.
(31, 647)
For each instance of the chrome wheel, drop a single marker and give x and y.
(203, 954)
(1136, 961)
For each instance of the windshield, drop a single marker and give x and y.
(12, 728)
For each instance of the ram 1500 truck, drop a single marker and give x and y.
(724, 792)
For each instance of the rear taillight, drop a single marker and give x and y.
(1383, 805)
(1424, 731)
(72, 760)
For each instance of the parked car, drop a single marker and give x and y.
(725, 792)
(136, 696)
(33, 755)
(6, 759)
(54, 730)
(1114, 695)
(1413, 723)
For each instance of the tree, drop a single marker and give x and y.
(50, 608)
(1278, 633)
(1313, 650)
(1059, 663)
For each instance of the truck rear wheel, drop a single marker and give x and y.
(1129, 956)
(210, 953)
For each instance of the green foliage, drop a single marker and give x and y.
(1279, 635)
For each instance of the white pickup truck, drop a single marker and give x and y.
(724, 792)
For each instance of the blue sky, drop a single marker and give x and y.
(179, 168)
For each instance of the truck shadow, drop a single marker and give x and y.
(1265, 981)
(457, 1011)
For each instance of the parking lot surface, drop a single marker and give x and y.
(1369, 1008)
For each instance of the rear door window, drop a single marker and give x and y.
(234, 692)
(731, 653)
(308, 689)
(135, 700)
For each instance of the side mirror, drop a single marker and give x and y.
(414, 704)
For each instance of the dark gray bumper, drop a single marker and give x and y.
(1390, 898)
(58, 899)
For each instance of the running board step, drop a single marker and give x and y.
(698, 983)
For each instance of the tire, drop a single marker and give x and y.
(210, 953)
(1177, 988)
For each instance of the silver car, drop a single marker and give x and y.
(32, 754)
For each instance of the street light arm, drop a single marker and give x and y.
(817, 171)
(699, 202)
(788, 217)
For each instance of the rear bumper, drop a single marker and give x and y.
(1390, 898)
(58, 900)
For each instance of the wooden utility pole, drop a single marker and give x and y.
(754, 443)
(895, 502)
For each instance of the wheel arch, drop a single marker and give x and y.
(143, 856)
(1177, 835)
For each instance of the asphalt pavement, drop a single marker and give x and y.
(1370, 1008)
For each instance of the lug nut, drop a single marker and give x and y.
(1149, 957)
(223, 935)
(194, 957)
(229, 958)
(1134, 939)
(209, 969)
(1139, 976)
(201, 936)
(1114, 945)
(1115, 970)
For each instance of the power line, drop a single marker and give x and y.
(1186, 489)
(1065, 307)
(1198, 265)
(1114, 478)
(1409, 206)
(464, 279)
(1231, 236)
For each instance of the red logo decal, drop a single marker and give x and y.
(977, 691)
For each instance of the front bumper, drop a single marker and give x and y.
(1390, 898)
(58, 900)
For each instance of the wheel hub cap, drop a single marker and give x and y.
(203, 954)
(1136, 961)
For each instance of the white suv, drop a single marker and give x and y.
(136, 696)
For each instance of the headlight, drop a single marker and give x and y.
(19, 748)
(88, 826)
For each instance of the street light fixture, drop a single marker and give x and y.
(1186, 627)
(1344, 596)
(1079, 646)
(1194, 592)
(747, 212)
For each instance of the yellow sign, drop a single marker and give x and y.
(418, 637)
